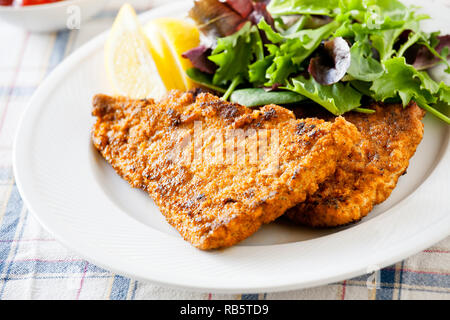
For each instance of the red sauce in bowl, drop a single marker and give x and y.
(25, 2)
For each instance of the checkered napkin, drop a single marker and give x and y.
(35, 266)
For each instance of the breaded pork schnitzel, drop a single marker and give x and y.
(367, 177)
(216, 204)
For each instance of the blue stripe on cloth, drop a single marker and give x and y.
(426, 279)
(17, 91)
(133, 295)
(59, 49)
(6, 176)
(6, 277)
(387, 279)
(119, 288)
(385, 285)
(362, 278)
(249, 297)
(9, 225)
(42, 266)
(402, 265)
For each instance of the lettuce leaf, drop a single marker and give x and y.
(363, 65)
(388, 52)
(289, 7)
(403, 80)
(232, 55)
(291, 50)
(337, 98)
(252, 97)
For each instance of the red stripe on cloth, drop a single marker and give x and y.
(422, 272)
(82, 281)
(436, 251)
(344, 284)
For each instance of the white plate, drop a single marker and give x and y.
(77, 196)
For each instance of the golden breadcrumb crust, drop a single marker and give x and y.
(211, 204)
(389, 138)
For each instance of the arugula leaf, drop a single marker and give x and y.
(444, 93)
(353, 6)
(271, 35)
(426, 82)
(391, 8)
(384, 41)
(383, 20)
(280, 69)
(257, 70)
(337, 98)
(403, 80)
(363, 66)
(233, 54)
(291, 51)
(289, 7)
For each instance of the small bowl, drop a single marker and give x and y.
(66, 14)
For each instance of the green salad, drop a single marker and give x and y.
(338, 54)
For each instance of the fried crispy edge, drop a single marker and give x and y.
(317, 212)
(243, 225)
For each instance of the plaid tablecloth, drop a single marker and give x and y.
(35, 266)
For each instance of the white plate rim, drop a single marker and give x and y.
(396, 252)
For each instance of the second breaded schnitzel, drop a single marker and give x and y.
(217, 204)
(367, 177)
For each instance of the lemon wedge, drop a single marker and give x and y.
(175, 36)
(129, 64)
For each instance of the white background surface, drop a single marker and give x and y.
(80, 37)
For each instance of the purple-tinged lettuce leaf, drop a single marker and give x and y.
(199, 58)
(422, 58)
(243, 7)
(331, 63)
(215, 19)
(260, 13)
